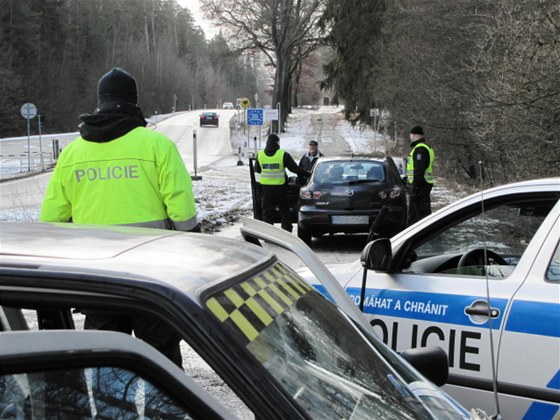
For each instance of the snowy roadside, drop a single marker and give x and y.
(224, 192)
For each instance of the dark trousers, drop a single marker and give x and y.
(276, 196)
(146, 328)
(419, 205)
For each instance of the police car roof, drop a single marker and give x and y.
(187, 261)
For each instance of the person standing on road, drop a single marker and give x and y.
(419, 170)
(118, 172)
(271, 163)
(308, 161)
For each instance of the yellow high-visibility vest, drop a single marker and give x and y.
(272, 168)
(410, 164)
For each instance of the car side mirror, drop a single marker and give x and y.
(377, 255)
(431, 362)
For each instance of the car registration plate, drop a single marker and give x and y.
(350, 220)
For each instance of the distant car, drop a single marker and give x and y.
(209, 118)
(481, 279)
(346, 195)
(280, 346)
(228, 105)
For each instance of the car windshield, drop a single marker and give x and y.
(312, 349)
(346, 171)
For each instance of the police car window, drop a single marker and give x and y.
(502, 233)
(100, 392)
(553, 271)
(310, 348)
(193, 364)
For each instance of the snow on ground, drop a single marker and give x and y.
(224, 192)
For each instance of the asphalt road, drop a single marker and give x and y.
(212, 144)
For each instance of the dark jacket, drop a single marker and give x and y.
(306, 163)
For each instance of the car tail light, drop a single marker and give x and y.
(307, 194)
(394, 193)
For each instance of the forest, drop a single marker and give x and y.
(482, 77)
(53, 53)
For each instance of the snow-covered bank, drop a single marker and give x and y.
(224, 192)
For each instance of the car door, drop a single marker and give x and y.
(94, 374)
(428, 300)
(529, 350)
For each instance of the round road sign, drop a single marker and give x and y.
(245, 103)
(28, 111)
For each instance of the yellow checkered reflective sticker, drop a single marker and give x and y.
(252, 305)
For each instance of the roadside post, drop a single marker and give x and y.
(255, 117)
(239, 160)
(245, 103)
(374, 112)
(40, 125)
(195, 163)
(28, 111)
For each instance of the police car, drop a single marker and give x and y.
(481, 279)
(282, 348)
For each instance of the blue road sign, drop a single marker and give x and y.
(255, 116)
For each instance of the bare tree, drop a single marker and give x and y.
(285, 31)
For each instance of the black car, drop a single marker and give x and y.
(209, 118)
(349, 194)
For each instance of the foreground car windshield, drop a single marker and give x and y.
(312, 349)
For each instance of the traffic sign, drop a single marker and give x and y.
(245, 103)
(271, 114)
(28, 111)
(374, 112)
(385, 114)
(255, 116)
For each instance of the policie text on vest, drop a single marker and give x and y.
(105, 174)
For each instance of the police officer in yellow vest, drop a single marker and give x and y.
(118, 172)
(419, 170)
(271, 164)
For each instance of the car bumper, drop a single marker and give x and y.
(329, 221)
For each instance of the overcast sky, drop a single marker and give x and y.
(194, 7)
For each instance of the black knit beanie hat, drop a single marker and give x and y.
(117, 86)
(273, 137)
(417, 130)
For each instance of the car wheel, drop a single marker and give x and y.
(304, 234)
